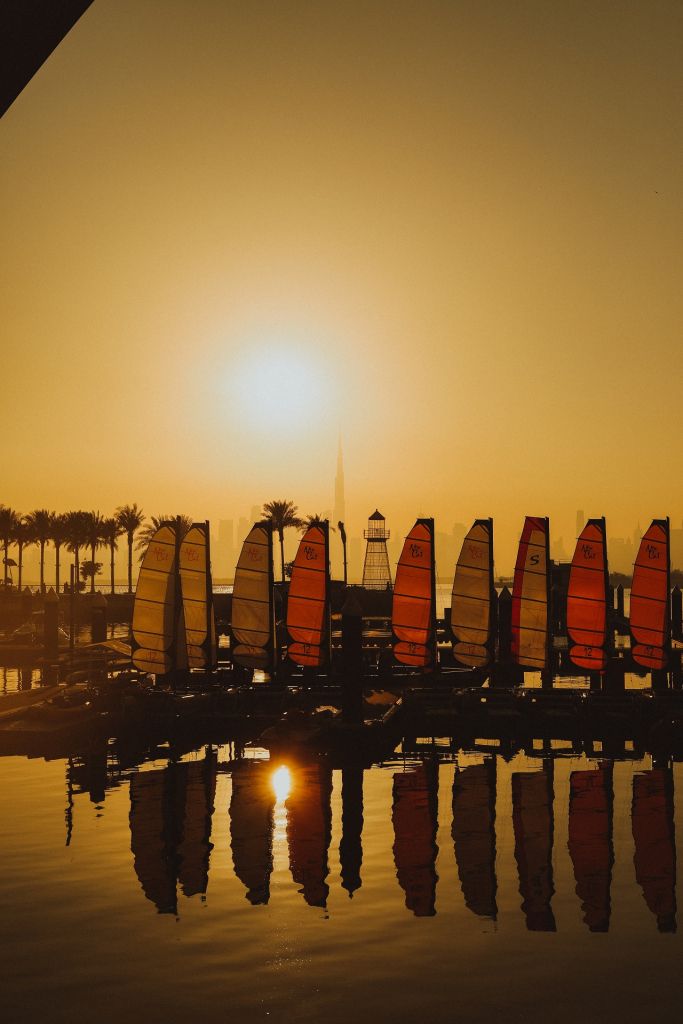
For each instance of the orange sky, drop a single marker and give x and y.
(451, 228)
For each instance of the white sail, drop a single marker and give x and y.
(251, 599)
(471, 599)
(154, 608)
(193, 577)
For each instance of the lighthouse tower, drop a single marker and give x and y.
(376, 571)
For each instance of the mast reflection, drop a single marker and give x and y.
(251, 827)
(591, 805)
(474, 836)
(309, 830)
(652, 821)
(532, 819)
(351, 845)
(414, 817)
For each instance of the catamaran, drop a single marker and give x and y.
(413, 616)
(471, 601)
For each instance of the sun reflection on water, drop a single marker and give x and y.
(281, 783)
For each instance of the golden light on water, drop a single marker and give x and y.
(281, 783)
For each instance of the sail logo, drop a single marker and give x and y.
(161, 554)
(475, 552)
(534, 559)
(416, 551)
(588, 552)
(191, 554)
(652, 551)
(254, 555)
(310, 553)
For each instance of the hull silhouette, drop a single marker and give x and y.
(532, 818)
(652, 822)
(591, 803)
(474, 836)
(309, 830)
(415, 826)
(251, 828)
(170, 823)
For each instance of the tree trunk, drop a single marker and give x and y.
(21, 560)
(6, 547)
(57, 547)
(282, 553)
(130, 563)
(92, 578)
(42, 566)
(112, 567)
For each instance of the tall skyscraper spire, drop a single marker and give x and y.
(339, 503)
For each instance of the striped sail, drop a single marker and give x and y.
(412, 615)
(587, 598)
(471, 599)
(154, 610)
(650, 598)
(307, 603)
(195, 580)
(252, 599)
(530, 596)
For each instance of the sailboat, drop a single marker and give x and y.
(591, 803)
(474, 836)
(251, 827)
(414, 817)
(253, 618)
(308, 602)
(531, 595)
(173, 618)
(471, 600)
(649, 618)
(587, 623)
(532, 820)
(413, 616)
(652, 821)
(197, 590)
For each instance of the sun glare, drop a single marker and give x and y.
(279, 387)
(281, 783)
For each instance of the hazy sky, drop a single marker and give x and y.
(451, 228)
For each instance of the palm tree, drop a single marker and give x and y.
(22, 536)
(131, 519)
(8, 520)
(282, 514)
(149, 529)
(94, 540)
(41, 520)
(313, 520)
(78, 526)
(58, 536)
(111, 530)
(89, 570)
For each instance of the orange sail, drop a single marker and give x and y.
(309, 830)
(415, 827)
(474, 836)
(530, 596)
(591, 800)
(650, 598)
(532, 820)
(587, 598)
(652, 821)
(251, 827)
(413, 611)
(471, 599)
(308, 602)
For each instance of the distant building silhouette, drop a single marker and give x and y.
(376, 571)
(339, 501)
(580, 523)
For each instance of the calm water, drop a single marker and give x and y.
(464, 882)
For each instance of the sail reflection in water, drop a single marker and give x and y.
(591, 802)
(474, 836)
(251, 827)
(652, 820)
(415, 826)
(309, 830)
(532, 819)
(170, 825)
